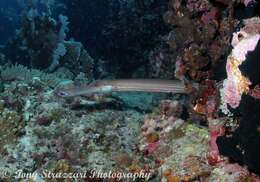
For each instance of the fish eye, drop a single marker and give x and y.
(237, 29)
(62, 94)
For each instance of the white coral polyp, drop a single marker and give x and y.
(244, 46)
(231, 94)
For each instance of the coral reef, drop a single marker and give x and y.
(199, 134)
(43, 130)
(196, 50)
(199, 40)
(240, 93)
(183, 151)
(197, 47)
(63, 135)
(48, 133)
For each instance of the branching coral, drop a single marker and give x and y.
(30, 76)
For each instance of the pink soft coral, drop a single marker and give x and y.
(231, 94)
(216, 129)
(246, 2)
(236, 84)
(198, 5)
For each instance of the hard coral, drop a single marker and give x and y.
(187, 159)
(11, 126)
(156, 127)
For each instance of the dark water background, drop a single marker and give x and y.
(131, 30)
(9, 19)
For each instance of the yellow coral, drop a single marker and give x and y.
(241, 81)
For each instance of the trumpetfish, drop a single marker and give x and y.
(109, 86)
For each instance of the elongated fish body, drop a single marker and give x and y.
(141, 85)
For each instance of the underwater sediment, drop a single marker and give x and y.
(130, 90)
